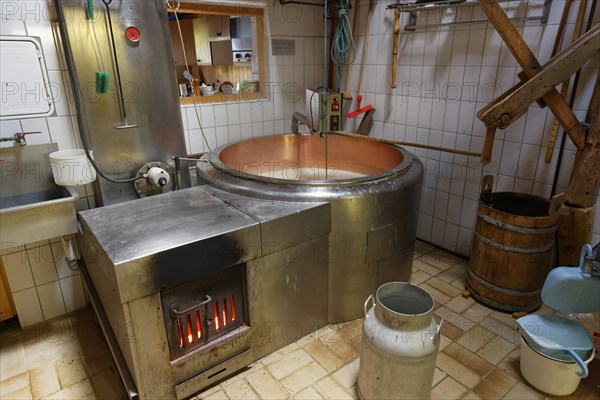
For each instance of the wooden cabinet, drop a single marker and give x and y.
(7, 307)
(209, 28)
(187, 31)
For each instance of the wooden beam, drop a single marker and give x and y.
(531, 67)
(575, 225)
(577, 216)
(488, 144)
(554, 72)
(586, 173)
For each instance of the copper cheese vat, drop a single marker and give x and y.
(374, 190)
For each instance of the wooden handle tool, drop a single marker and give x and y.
(395, 49)
(565, 86)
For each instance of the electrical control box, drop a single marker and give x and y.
(332, 109)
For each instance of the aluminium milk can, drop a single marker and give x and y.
(400, 343)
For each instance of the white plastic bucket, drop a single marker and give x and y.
(72, 167)
(555, 377)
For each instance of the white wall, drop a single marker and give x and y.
(42, 286)
(444, 78)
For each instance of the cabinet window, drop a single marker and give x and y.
(224, 48)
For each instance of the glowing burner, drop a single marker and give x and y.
(201, 312)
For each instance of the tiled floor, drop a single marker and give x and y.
(64, 358)
(478, 359)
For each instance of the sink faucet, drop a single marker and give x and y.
(18, 138)
(298, 118)
(177, 159)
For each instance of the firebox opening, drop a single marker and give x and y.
(200, 312)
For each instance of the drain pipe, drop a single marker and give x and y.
(70, 253)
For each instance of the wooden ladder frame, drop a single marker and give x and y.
(514, 103)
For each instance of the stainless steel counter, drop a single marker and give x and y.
(219, 229)
(138, 253)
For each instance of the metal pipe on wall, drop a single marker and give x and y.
(419, 145)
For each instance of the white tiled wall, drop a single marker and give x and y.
(445, 75)
(42, 285)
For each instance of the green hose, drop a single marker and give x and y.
(90, 6)
(343, 49)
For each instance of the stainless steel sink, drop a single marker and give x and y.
(32, 206)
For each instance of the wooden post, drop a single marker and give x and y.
(586, 174)
(574, 230)
(577, 218)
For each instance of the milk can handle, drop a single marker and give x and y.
(437, 330)
(369, 299)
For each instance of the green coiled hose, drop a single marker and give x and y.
(343, 49)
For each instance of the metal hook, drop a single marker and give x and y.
(172, 4)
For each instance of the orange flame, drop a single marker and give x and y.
(188, 321)
(216, 312)
(198, 324)
(232, 309)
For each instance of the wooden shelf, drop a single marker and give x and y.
(221, 98)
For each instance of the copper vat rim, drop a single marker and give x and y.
(406, 160)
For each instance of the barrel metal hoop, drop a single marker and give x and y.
(513, 249)
(501, 306)
(515, 228)
(517, 293)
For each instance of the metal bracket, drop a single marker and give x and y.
(414, 8)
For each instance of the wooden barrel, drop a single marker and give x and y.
(512, 248)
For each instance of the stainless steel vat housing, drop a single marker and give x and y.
(373, 218)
